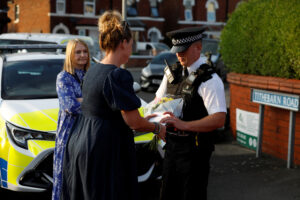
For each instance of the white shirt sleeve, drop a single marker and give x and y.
(213, 95)
(162, 88)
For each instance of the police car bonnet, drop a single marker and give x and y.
(183, 38)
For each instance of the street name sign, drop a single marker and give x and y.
(280, 100)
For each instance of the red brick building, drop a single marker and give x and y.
(149, 19)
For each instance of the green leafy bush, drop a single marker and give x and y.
(262, 37)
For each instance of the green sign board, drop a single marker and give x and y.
(247, 128)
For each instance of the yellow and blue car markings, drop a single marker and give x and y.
(31, 115)
(13, 159)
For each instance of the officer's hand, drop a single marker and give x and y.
(175, 122)
(169, 113)
(162, 133)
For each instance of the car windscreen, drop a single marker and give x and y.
(210, 46)
(159, 59)
(30, 79)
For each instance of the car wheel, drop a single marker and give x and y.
(144, 89)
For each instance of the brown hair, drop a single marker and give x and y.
(112, 30)
(69, 60)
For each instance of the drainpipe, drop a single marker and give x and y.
(111, 4)
(124, 13)
(226, 11)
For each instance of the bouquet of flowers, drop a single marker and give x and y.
(159, 107)
(162, 105)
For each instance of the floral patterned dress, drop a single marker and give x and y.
(68, 89)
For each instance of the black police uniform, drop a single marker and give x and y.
(187, 154)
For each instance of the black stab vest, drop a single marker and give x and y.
(193, 105)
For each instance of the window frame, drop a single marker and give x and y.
(64, 6)
(89, 3)
(188, 12)
(211, 16)
(17, 13)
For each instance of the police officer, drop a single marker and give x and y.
(189, 142)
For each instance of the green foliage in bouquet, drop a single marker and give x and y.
(152, 145)
(262, 38)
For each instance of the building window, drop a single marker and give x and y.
(211, 6)
(17, 13)
(188, 5)
(132, 8)
(81, 32)
(60, 6)
(154, 9)
(89, 7)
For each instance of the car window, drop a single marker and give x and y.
(30, 79)
(161, 46)
(210, 45)
(160, 59)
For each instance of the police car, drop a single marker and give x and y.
(28, 121)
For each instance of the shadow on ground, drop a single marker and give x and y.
(236, 174)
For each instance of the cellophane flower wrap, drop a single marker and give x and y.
(159, 107)
(165, 104)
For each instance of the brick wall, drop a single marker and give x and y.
(29, 19)
(276, 120)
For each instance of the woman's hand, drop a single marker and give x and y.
(150, 116)
(79, 99)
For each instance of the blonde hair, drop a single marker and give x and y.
(112, 30)
(70, 50)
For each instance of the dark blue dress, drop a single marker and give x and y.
(68, 89)
(100, 160)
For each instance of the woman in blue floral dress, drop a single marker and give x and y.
(68, 87)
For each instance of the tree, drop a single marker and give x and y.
(262, 37)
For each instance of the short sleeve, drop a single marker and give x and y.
(118, 90)
(213, 95)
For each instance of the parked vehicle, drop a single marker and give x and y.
(47, 38)
(152, 74)
(152, 48)
(28, 120)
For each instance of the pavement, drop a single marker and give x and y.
(236, 174)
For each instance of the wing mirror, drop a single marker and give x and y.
(136, 87)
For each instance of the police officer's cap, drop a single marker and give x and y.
(183, 38)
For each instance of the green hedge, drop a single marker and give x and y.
(262, 37)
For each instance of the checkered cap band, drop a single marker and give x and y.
(187, 39)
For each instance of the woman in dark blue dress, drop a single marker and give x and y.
(69, 95)
(100, 160)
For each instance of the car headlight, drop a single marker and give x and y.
(146, 71)
(21, 135)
